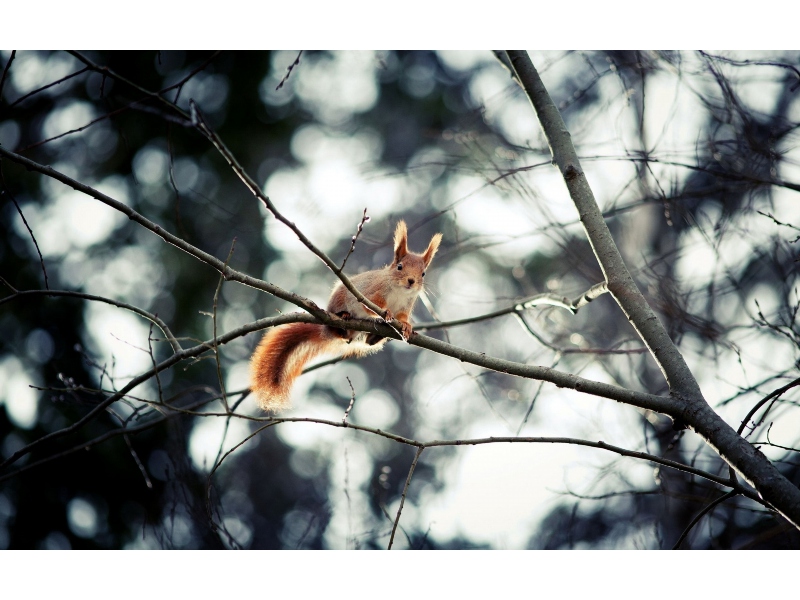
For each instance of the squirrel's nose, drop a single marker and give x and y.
(410, 281)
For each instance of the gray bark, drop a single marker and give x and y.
(686, 403)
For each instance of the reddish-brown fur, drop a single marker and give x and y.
(285, 350)
(272, 370)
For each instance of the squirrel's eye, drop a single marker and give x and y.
(423, 273)
(399, 266)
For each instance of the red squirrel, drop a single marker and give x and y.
(284, 350)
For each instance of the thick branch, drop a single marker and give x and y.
(620, 283)
(692, 408)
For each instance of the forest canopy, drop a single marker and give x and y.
(161, 210)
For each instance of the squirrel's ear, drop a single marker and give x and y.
(400, 241)
(427, 257)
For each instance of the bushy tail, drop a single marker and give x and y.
(280, 358)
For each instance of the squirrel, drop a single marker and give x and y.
(284, 350)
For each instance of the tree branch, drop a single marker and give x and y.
(403, 495)
(70, 294)
(592, 293)
(692, 407)
(620, 283)
(172, 360)
(206, 130)
(229, 273)
(701, 514)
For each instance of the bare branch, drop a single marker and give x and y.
(711, 506)
(776, 394)
(44, 87)
(289, 70)
(214, 319)
(25, 221)
(353, 240)
(5, 71)
(592, 293)
(197, 119)
(172, 360)
(123, 431)
(661, 404)
(352, 401)
(113, 113)
(403, 496)
(748, 63)
(619, 280)
(772, 444)
(70, 294)
(229, 273)
(138, 461)
(106, 72)
(692, 407)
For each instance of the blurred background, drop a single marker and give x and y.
(692, 156)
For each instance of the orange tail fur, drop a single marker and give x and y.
(280, 358)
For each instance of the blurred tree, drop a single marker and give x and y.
(691, 156)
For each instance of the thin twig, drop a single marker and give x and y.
(775, 394)
(572, 306)
(44, 87)
(106, 72)
(11, 287)
(730, 175)
(352, 401)
(128, 430)
(748, 63)
(70, 294)
(24, 220)
(701, 514)
(5, 73)
(218, 464)
(138, 461)
(205, 129)
(364, 219)
(403, 496)
(531, 405)
(153, 360)
(113, 113)
(171, 154)
(179, 243)
(169, 362)
(214, 319)
(773, 444)
(289, 70)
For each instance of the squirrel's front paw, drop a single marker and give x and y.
(407, 330)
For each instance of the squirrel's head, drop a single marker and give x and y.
(409, 267)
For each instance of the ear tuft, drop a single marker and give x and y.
(427, 257)
(400, 241)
